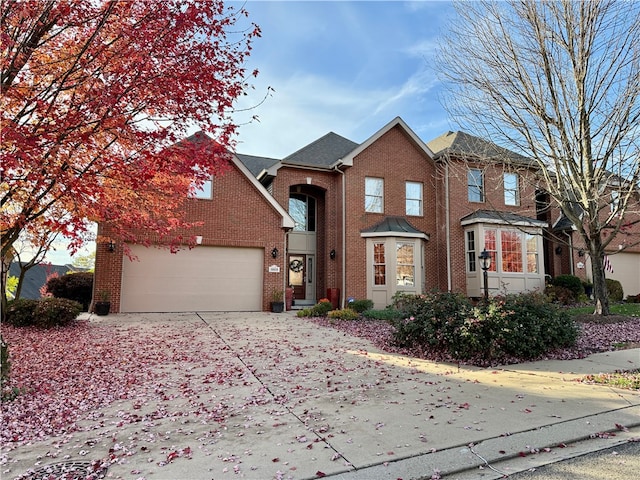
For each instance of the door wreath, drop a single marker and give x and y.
(295, 265)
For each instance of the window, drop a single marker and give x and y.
(379, 265)
(475, 185)
(490, 245)
(373, 195)
(302, 209)
(471, 251)
(511, 192)
(511, 243)
(205, 191)
(532, 253)
(615, 201)
(413, 198)
(405, 266)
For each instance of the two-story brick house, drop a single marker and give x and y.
(365, 220)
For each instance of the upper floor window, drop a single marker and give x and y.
(475, 185)
(413, 198)
(615, 200)
(204, 191)
(302, 209)
(511, 191)
(373, 195)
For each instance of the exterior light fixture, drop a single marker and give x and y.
(274, 252)
(485, 264)
(111, 246)
(198, 239)
(332, 254)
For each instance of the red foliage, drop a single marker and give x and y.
(93, 94)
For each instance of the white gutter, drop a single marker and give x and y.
(344, 234)
(570, 242)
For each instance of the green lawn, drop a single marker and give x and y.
(627, 309)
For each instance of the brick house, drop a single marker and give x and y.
(342, 219)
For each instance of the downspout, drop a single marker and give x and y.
(344, 235)
(446, 225)
(570, 241)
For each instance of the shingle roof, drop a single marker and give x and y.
(391, 225)
(324, 152)
(256, 164)
(464, 145)
(505, 218)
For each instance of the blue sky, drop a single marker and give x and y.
(341, 66)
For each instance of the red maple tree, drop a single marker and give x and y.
(94, 93)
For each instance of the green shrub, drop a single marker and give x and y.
(633, 298)
(21, 312)
(54, 312)
(430, 319)
(344, 314)
(318, 310)
(614, 287)
(388, 314)
(523, 326)
(571, 282)
(73, 286)
(361, 305)
(561, 295)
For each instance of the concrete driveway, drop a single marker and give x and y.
(274, 396)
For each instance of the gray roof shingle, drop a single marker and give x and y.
(494, 216)
(394, 225)
(324, 152)
(256, 164)
(462, 144)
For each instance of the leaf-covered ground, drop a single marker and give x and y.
(69, 378)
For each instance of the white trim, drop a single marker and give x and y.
(424, 236)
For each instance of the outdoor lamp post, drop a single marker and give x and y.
(485, 263)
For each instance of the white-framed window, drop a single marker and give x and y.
(532, 253)
(511, 189)
(373, 195)
(471, 251)
(475, 185)
(379, 264)
(405, 264)
(511, 250)
(615, 201)
(413, 195)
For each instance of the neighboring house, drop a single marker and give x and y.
(368, 220)
(36, 277)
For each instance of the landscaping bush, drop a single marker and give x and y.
(571, 282)
(431, 319)
(523, 326)
(614, 287)
(73, 286)
(561, 295)
(361, 305)
(344, 314)
(21, 312)
(54, 312)
(318, 310)
(633, 298)
(387, 314)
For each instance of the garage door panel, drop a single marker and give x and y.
(201, 279)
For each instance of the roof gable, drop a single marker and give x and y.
(324, 152)
(464, 145)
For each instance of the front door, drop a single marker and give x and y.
(297, 276)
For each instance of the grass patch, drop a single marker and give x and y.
(628, 380)
(625, 309)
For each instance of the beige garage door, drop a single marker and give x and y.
(200, 279)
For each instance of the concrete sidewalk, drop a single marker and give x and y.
(310, 402)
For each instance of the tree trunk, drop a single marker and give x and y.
(600, 294)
